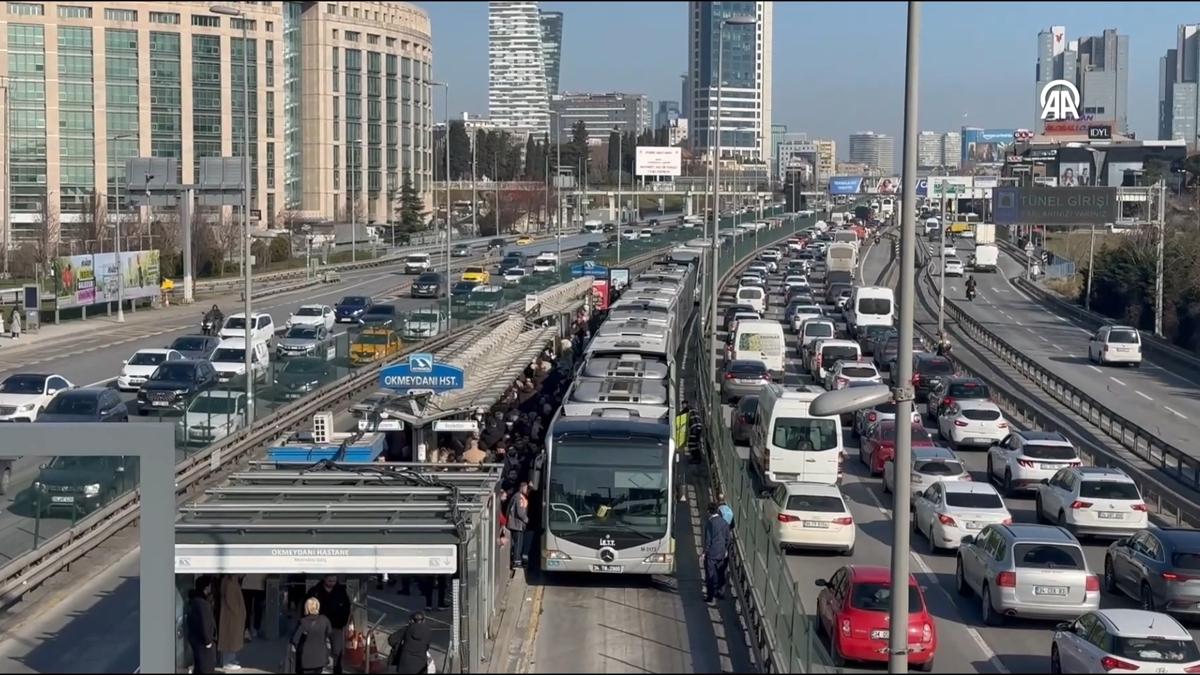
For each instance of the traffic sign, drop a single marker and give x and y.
(1029, 248)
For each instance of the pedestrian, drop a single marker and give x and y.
(410, 646)
(430, 582)
(518, 521)
(726, 511)
(202, 627)
(312, 639)
(254, 593)
(335, 606)
(15, 324)
(715, 553)
(231, 627)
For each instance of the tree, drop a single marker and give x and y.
(460, 151)
(412, 217)
(613, 163)
(227, 235)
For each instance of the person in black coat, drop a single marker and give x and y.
(335, 605)
(202, 627)
(410, 646)
(312, 638)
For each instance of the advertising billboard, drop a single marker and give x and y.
(1074, 174)
(888, 186)
(81, 280)
(1055, 206)
(845, 185)
(657, 161)
(986, 147)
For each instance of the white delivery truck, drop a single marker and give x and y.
(987, 254)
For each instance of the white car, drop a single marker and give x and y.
(1092, 500)
(1025, 458)
(416, 263)
(929, 465)
(550, 256)
(629, 235)
(646, 233)
(810, 515)
(139, 367)
(1123, 641)
(24, 395)
(313, 315)
(514, 275)
(948, 511)
(772, 254)
(544, 266)
(972, 422)
(954, 267)
(213, 415)
(1116, 344)
(792, 281)
(845, 373)
(752, 280)
(262, 327)
(762, 268)
(229, 359)
(804, 313)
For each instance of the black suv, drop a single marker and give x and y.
(174, 384)
(383, 316)
(428, 285)
(82, 484)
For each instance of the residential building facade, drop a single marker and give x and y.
(1098, 66)
(552, 32)
(939, 150)
(668, 112)
(601, 113)
(517, 96)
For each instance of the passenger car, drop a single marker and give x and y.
(427, 285)
(85, 404)
(928, 369)
(1125, 641)
(306, 340)
(477, 274)
(948, 390)
(136, 369)
(1158, 567)
(930, 464)
(373, 344)
(1116, 344)
(461, 290)
(416, 263)
(743, 377)
(810, 515)
(524, 240)
(460, 251)
(1026, 570)
(1025, 458)
(23, 396)
(1092, 500)
(954, 267)
(298, 377)
(195, 346)
(230, 360)
(948, 511)
(80, 485)
(865, 417)
(879, 444)
(972, 422)
(421, 324)
(380, 316)
(213, 415)
(262, 327)
(312, 315)
(350, 308)
(844, 373)
(173, 384)
(853, 611)
(744, 417)
(513, 276)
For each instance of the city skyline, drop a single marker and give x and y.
(995, 93)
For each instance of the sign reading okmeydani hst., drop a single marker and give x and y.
(1055, 205)
(657, 161)
(422, 371)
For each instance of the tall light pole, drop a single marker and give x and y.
(249, 333)
(557, 165)
(117, 233)
(446, 100)
(1158, 272)
(474, 198)
(903, 391)
(620, 209)
(4, 84)
(716, 228)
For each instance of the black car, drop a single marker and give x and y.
(867, 335)
(428, 285)
(461, 290)
(198, 347)
(512, 260)
(174, 384)
(300, 376)
(732, 311)
(81, 485)
(928, 371)
(382, 316)
(587, 253)
(351, 308)
(88, 404)
(498, 242)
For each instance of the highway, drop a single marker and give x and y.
(965, 644)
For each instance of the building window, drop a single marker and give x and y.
(238, 23)
(120, 14)
(270, 26)
(164, 17)
(391, 42)
(26, 9)
(331, 8)
(73, 12)
(206, 21)
(270, 63)
(352, 36)
(372, 39)
(271, 114)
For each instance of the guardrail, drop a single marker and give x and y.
(29, 570)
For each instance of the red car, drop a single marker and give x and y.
(853, 607)
(879, 445)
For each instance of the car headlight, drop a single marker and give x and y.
(38, 485)
(27, 407)
(179, 392)
(91, 490)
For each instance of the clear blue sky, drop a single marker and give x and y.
(838, 67)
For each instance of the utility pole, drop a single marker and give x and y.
(942, 271)
(1158, 274)
(620, 208)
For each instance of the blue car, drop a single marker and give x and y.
(351, 308)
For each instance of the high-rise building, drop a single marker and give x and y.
(939, 150)
(601, 113)
(677, 131)
(813, 158)
(94, 84)
(685, 94)
(1098, 67)
(875, 150)
(552, 31)
(778, 133)
(668, 111)
(744, 51)
(517, 96)
(952, 149)
(1179, 88)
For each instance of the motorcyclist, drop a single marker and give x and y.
(214, 317)
(971, 286)
(943, 345)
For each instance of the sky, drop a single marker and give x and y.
(838, 66)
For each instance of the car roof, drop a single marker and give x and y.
(1101, 472)
(976, 403)
(819, 489)
(875, 574)
(838, 342)
(39, 375)
(924, 452)
(1177, 537)
(968, 487)
(1139, 623)
(1042, 436)
(1031, 532)
(157, 350)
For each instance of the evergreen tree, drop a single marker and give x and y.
(460, 151)
(412, 217)
(533, 160)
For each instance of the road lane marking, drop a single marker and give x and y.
(1116, 380)
(1021, 324)
(1095, 369)
(1142, 395)
(1174, 412)
(1055, 346)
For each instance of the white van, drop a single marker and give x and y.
(229, 359)
(823, 354)
(870, 306)
(761, 340)
(754, 296)
(262, 327)
(1116, 344)
(787, 443)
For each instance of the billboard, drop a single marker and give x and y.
(986, 147)
(888, 186)
(1074, 174)
(1055, 206)
(658, 161)
(987, 182)
(81, 280)
(845, 185)
(949, 184)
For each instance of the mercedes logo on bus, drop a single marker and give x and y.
(608, 554)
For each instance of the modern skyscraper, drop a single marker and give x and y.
(952, 149)
(517, 96)
(601, 113)
(552, 31)
(746, 90)
(1179, 88)
(685, 100)
(668, 111)
(778, 133)
(875, 150)
(1098, 67)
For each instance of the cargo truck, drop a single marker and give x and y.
(987, 254)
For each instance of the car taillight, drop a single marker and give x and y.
(844, 520)
(766, 377)
(1139, 507)
(1007, 521)
(1081, 505)
(818, 361)
(1006, 580)
(1112, 663)
(945, 519)
(785, 518)
(1025, 463)
(1192, 669)
(916, 379)
(846, 627)
(1175, 577)
(729, 376)
(926, 633)
(843, 380)
(1002, 425)
(948, 401)
(960, 423)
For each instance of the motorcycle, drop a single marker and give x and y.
(209, 324)
(970, 294)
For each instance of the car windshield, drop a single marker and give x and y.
(1037, 451)
(749, 368)
(190, 344)
(173, 372)
(935, 366)
(832, 354)
(309, 311)
(806, 434)
(428, 279)
(235, 323)
(874, 306)
(1155, 649)
(1108, 489)
(819, 503)
(355, 300)
(1048, 557)
(213, 405)
(73, 404)
(473, 270)
(1124, 337)
(424, 317)
(877, 597)
(304, 366)
(229, 355)
(382, 310)
(939, 467)
(859, 371)
(967, 390)
(515, 272)
(23, 384)
(974, 500)
(147, 358)
(886, 431)
(818, 330)
(749, 293)
(302, 332)
(417, 259)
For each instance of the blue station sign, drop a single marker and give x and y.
(589, 268)
(422, 372)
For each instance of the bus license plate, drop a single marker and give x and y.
(612, 569)
(1050, 590)
(820, 524)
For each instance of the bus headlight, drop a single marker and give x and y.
(658, 559)
(556, 555)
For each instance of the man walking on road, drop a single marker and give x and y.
(717, 540)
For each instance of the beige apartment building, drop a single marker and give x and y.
(340, 103)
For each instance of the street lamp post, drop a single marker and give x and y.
(117, 234)
(557, 170)
(449, 305)
(4, 84)
(620, 208)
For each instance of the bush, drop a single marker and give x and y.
(281, 249)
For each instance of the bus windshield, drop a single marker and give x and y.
(600, 486)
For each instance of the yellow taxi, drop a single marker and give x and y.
(477, 274)
(374, 344)
(524, 239)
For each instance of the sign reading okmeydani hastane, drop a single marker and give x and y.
(82, 280)
(659, 161)
(1055, 205)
